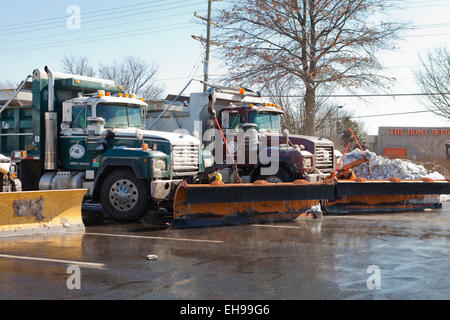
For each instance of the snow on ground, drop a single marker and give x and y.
(383, 168)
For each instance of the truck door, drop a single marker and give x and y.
(74, 153)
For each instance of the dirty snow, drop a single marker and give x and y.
(3, 158)
(383, 168)
(4, 162)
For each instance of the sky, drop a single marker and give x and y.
(39, 33)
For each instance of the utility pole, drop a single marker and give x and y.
(208, 42)
(208, 46)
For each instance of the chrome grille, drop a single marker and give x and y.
(185, 158)
(324, 158)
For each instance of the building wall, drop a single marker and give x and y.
(413, 141)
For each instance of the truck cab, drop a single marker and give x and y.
(81, 132)
(244, 113)
(299, 157)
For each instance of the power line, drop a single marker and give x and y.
(391, 114)
(86, 40)
(109, 17)
(426, 35)
(48, 36)
(95, 13)
(427, 6)
(363, 95)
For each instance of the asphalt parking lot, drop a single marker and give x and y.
(332, 258)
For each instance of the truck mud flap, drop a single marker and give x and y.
(41, 212)
(235, 204)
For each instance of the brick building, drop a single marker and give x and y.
(410, 142)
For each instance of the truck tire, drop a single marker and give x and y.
(123, 196)
(282, 175)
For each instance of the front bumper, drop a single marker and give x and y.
(161, 189)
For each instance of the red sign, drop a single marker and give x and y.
(419, 132)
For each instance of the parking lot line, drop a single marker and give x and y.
(78, 263)
(151, 237)
(275, 226)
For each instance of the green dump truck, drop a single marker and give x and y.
(68, 132)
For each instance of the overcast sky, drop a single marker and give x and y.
(38, 33)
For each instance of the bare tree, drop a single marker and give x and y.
(135, 76)
(8, 84)
(281, 92)
(293, 117)
(310, 43)
(78, 65)
(434, 79)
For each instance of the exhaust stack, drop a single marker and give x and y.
(50, 162)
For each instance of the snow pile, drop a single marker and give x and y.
(383, 168)
(4, 162)
(3, 158)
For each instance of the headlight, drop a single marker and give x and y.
(307, 162)
(159, 164)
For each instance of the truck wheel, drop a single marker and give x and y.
(282, 176)
(123, 196)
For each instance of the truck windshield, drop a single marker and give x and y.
(236, 119)
(266, 121)
(117, 116)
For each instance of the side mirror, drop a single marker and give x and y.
(247, 126)
(139, 135)
(286, 135)
(95, 126)
(211, 103)
(67, 112)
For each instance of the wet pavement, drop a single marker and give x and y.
(331, 258)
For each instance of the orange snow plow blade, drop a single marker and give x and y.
(262, 202)
(393, 195)
(245, 203)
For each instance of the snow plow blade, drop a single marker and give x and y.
(392, 187)
(392, 195)
(41, 212)
(245, 203)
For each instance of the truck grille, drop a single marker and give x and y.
(185, 158)
(324, 158)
